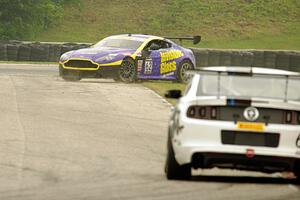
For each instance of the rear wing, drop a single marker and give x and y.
(196, 39)
(248, 73)
(242, 71)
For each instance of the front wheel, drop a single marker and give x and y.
(173, 170)
(182, 75)
(128, 71)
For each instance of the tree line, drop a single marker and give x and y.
(23, 19)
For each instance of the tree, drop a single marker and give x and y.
(21, 19)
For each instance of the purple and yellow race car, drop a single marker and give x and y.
(130, 57)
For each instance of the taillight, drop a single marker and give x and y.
(202, 112)
(292, 117)
(288, 117)
(213, 112)
(191, 112)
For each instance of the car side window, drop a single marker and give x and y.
(162, 44)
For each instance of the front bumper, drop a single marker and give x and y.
(101, 72)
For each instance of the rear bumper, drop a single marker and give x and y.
(261, 163)
(203, 138)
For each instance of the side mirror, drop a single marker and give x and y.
(173, 94)
(154, 47)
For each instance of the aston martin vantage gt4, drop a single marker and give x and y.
(130, 57)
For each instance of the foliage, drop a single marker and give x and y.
(254, 23)
(21, 19)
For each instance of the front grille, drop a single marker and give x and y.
(262, 139)
(80, 64)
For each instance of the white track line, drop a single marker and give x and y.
(160, 97)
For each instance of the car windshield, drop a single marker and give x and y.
(119, 43)
(263, 86)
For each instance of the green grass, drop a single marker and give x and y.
(161, 87)
(246, 24)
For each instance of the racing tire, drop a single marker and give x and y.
(297, 171)
(173, 170)
(184, 66)
(128, 71)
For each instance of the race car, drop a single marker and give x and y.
(129, 57)
(236, 117)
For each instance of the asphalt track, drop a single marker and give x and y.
(98, 139)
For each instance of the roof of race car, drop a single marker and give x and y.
(138, 37)
(254, 70)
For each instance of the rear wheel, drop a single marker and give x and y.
(297, 171)
(182, 75)
(173, 170)
(128, 71)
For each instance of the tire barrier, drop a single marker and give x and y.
(247, 58)
(225, 58)
(213, 58)
(51, 52)
(35, 51)
(282, 59)
(3, 55)
(12, 52)
(39, 52)
(258, 58)
(24, 52)
(236, 58)
(294, 62)
(269, 59)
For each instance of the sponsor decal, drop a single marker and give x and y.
(168, 74)
(167, 65)
(148, 66)
(139, 65)
(170, 55)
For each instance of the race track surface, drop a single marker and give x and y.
(98, 139)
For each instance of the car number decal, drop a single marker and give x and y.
(148, 66)
(298, 142)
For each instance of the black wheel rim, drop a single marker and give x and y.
(127, 71)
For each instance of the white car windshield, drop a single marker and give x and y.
(119, 43)
(262, 86)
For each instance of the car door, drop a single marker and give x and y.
(151, 56)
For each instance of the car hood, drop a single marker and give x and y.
(99, 55)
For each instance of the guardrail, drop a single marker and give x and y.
(51, 51)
